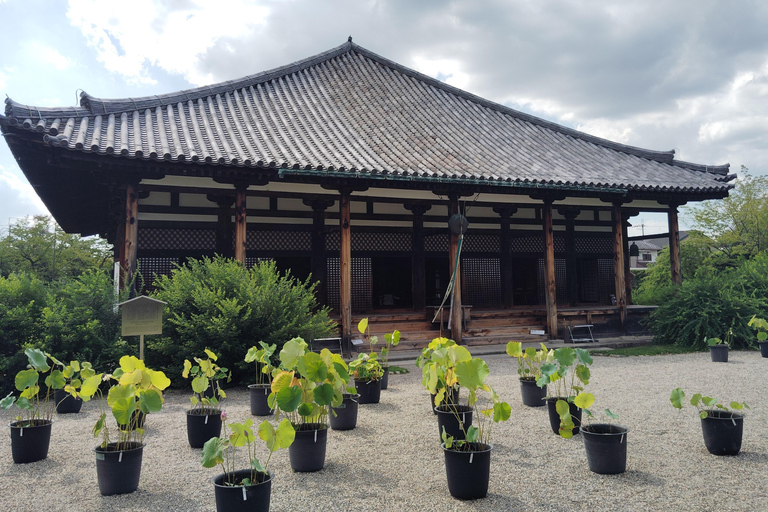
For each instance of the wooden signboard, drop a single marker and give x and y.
(142, 315)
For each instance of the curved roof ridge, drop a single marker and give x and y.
(712, 169)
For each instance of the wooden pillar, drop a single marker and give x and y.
(319, 258)
(240, 221)
(550, 290)
(131, 236)
(224, 224)
(674, 245)
(618, 263)
(505, 255)
(345, 269)
(571, 273)
(627, 271)
(456, 324)
(418, 266)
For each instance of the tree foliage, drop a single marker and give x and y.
(219, 304)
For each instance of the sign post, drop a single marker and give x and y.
(142, 315)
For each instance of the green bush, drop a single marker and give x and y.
(22, 298)
(219, 304)
(712, 303)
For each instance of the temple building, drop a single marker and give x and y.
(348, 166)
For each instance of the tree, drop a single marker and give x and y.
(38, 246)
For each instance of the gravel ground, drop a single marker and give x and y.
(393, 460)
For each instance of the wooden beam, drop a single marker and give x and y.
(418, 264)
(240, 222)
(627, 271)
(456, 325)
(223, 224)
(345, 269)
(131, 236)
(550, 290)
(319, 258)
(618, 263)
(674, 245)
(571, 273)
(505, 256)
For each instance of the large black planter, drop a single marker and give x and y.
(385, 378)
(66, 403)
(723, 431)
(344, 417)
(452, 417)
(763, 348)
(247, 498)
(718, 353)
(468, 472)
(452, 395)
(30, 440)
(369, 391)
(307, 452)
(533, 395)
(202, 427)
(554, 418)
(118, 472)
(606, 447)
(259, 394)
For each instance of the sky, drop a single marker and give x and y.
(688, 75)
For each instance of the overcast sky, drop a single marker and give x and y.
(685, 75)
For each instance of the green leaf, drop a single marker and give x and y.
(583, 373)
(37, 359)
(187, 367)
(677, 398)
(472, 374)
(151, 401)
(292, 350)
(323, 394)
(562, 408)
(26, 379)
(56, 380)
(255, 464)
(501, 411)
(447, 439)
(583, 356)
(611, 415)
(241, 433)
(90, 386)
(305, 410)
(566, 356)
(200, 384)
(288, 399)
(7, 402)
(312, 366)
(282, 437)
(362, 326)
(515, 349)
(548, 369)
(584, 400)
(473, 434)
(213, 452)
(122, 409)
(99, 425)
(737, 405)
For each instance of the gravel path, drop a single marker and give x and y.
(393, 460)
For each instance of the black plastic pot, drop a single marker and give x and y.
(554, 418)
(763, 348)
(307, 452)
(533, 395)
(118, 472)
(452, 417)
(344, 417)
(369, 391)
(30, 440)
(606, 447)
(66, 403)
(385, 378)
(247, 498)
(723, 431)
(718, 353)
(202, 427)
(453, 398)
(259, 394)
(468, 472)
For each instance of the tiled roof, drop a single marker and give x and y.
(349, 110)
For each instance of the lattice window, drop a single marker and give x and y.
(606, 279)
(251, 261)
(481, 243)
(333, 241)
(594, 244)
(589, 281)
(151, 268)
(481, 281)
(362, 283)
(528, 243)
(177, 239)
(561, 282)
(278, 240)
(387, 242)
(436, 243)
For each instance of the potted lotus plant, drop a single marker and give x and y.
(204, 416)
(529, 363)
(367, 369)
(760, 325)
(468, 460)
(566, 375)
(390, 340)
(433, 375)
(718, 349)
(261, 355)
(68, 399)
(442, 382)
(721, 426)
(31, 432)
(247, 489)
(605, 443)
(303, 388)
(135, 391)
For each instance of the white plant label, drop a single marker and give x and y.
(315, 435)
(471, 456)
(120, 457)
(733, 420)
(245, 496)
(622, 439)
(206, 419)
(21, 432)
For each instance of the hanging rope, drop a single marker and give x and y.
(449, 290)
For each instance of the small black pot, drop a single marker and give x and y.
(763, 348)
(259, 394)
(723, 431)
(66, 403)
(533, 395)
(369, 391)
(344, 417)
(385, 378)
(202, 427)
(307, 452)
(554, 418)
(30, 440)
(247, 498)
(118, 472)
(452, 395)
(468, 472)
(718, 353)
(606, 447)
(452, 417)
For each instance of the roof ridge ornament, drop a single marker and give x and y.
(349, 39)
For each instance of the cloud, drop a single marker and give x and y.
(17, 197)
